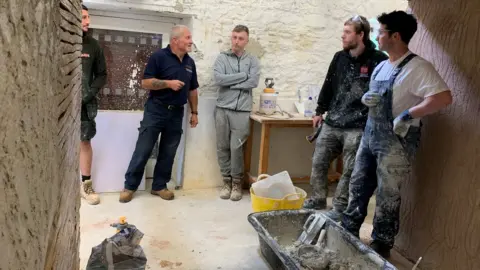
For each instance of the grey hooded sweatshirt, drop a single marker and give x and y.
(236, 77)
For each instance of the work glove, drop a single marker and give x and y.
(402, 123)
(371, 99)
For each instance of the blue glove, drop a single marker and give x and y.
(371, 99)
(402, 123)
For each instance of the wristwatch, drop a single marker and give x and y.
(195, 112)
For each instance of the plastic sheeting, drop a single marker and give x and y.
(121, 251)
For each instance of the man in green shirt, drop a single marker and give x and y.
(93, 79)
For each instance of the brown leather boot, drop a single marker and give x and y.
(126, 195)
(164, 194)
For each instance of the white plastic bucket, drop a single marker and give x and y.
(275, 186)
(268, 103)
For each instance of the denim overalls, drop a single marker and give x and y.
(383, 161)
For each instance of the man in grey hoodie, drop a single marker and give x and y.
(236, 72)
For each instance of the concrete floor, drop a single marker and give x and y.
(197, 230)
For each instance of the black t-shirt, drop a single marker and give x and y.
(164, 65)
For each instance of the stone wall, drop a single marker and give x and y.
(295, 40)
(40, 43)
(440, 205)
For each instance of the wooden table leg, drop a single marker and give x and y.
(264, 149)
(247, 157)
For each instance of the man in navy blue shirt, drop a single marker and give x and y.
(171, 77)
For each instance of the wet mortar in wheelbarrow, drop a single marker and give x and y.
(279, 231)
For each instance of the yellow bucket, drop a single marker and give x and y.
(260, 204)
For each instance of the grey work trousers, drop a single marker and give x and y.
(232, 130)
(329, 145)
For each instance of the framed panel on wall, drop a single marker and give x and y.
(126, 55)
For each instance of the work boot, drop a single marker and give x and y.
(381, 248)
(334, 214)
(315, 203)
(164, 194)
(126, 195)
(226, 189)
(87, 192)
(236, 190)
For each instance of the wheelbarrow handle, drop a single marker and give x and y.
(307, 223)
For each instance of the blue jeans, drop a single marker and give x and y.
(157, 119)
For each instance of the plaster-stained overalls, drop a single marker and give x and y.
(383, 161)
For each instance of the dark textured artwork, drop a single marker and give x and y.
(126, 55)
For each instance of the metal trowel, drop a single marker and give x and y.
(312, 137)
(317, 248)
(311, 229)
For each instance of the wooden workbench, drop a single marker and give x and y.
(276, 121)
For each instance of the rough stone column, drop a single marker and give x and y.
(441, 204)
(40, 69)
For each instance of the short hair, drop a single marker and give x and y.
(84, 7)
(241, 28)
(360, 24)
(399, 22)
(177, 31)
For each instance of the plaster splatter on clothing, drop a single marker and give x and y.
(383, 162)
(329, 145)
(346, 82)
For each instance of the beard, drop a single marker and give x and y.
(351, 45)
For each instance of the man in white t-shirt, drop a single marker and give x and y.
(403, 89)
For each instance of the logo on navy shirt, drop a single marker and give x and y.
(188, 68)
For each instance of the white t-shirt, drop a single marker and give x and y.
(417, 80)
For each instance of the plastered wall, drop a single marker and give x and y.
(440, 217)
(295, 40)
(40, 43)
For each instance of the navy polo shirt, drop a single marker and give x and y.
(164, 65)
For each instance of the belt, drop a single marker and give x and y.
(172, 107)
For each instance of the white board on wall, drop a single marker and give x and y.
(113, 146)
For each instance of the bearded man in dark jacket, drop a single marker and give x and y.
(347, 80)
